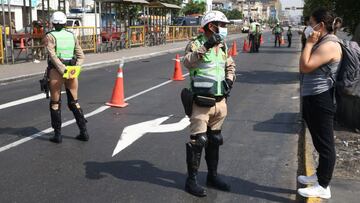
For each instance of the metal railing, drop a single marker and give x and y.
(86, 36)
(179, 33)
(137, 36)
(1, 47)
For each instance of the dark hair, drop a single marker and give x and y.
(206, 27)
(326, 16)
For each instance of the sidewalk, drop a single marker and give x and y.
(14, 72)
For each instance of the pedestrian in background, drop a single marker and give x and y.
(64, 50)
(212, 73)
(289, 36)
(319, 64)
(277, 31)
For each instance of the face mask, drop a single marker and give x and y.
(223, 32)
(309, 30)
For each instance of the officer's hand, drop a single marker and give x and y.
(212, 41)
(229, 82)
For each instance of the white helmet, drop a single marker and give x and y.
(213, 16)
(58, 18)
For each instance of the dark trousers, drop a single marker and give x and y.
(318, 113)
(289, 40)
(277, 39)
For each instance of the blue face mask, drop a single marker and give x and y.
(223, 32)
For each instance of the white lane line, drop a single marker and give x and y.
(96, 111)
(24, 100)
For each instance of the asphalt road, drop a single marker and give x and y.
(258, 159)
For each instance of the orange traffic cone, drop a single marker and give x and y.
(230, 52)
(177, 70)
(245, 46)
(261, 40)
(282, 41)
(234, 49)
(117, 99)
(22, 45)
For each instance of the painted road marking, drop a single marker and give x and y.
(24, 100)
(133, 132)
(96, 111)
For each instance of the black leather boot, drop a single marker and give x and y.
(193, 156)
(212, 159)
(81, 122)
(56, 124)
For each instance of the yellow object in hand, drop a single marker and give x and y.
(72, 72)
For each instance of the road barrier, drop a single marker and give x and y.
(137, 37)
(179, 33)
(86, 37)
(1, 47)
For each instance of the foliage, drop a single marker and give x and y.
(194, 8)
(233, 14)
(348, 10)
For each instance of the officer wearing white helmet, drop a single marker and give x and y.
(212, 73)
(64, 51)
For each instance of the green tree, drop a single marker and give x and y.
(194, 8)
(348, 10)
(233, 14)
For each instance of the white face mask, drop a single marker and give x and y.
(309, 30)
(223, 32)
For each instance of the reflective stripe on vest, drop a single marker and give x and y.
(65, 44)
(210, 72)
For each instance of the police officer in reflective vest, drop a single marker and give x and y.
(212, 73)
(64, 50)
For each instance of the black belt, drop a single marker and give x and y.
(219, 98)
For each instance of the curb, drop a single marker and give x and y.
(309, 161)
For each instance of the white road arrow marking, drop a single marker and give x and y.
(133, 132)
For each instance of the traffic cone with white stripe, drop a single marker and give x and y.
(177, 70)
(117, 99)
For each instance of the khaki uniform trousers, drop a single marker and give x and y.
(204, 117)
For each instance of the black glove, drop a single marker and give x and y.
(229, 82)
(212, 41)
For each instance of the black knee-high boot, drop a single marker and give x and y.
(79, 116)
(212, 160)
(56, 122)
(193, 157)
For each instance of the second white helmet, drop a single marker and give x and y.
(58, 18)
(213, 16)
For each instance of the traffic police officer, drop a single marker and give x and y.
(64, 50)
(277, 31)
(212, 73)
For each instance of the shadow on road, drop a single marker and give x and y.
(28, 131)
(140, 170)
(267, 77)
(280, 123)
(21, 132)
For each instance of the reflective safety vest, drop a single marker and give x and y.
(277, 30)
(208, 78)
(65, 44)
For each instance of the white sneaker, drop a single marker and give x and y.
(315, 191)
(308, 180)
(36, 61)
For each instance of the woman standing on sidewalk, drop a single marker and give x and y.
(319, 63)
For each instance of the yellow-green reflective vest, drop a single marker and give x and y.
(208, 77)
(65, 44)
